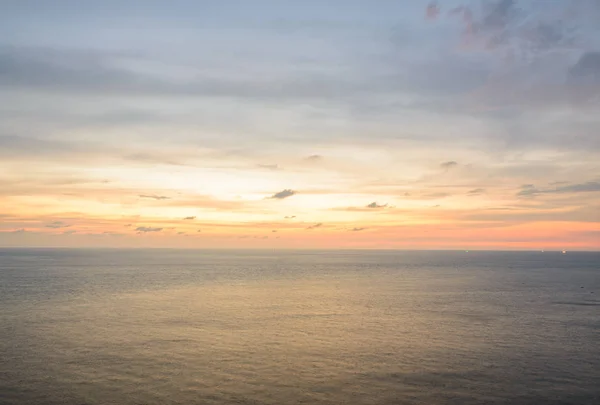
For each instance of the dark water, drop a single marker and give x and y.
(318, 327)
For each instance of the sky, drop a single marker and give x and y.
(300, 124)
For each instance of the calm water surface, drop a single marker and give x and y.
(306, 327)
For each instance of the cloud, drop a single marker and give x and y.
(180, 233)
(154, 197)
(434, 196)
(448, 165)
(57, 225)
(189, 218)
(318, 225)
(314, 158)
(588, 187)
(529, 28)
(587, 69)
(107, 233)
(504, 217)
(95, 72)
(269, 166)
(205, 202)
(283, 194)
(357, 229)
(531, 46)
(69, 232)
(432, 11)
(476, 191)
(289, 217)
(374, 205)
(148, 229)
(199, 230)
(11, 145)
(22, 230)
(274, 230)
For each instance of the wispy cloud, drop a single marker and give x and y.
(587, 69)
(432, 11)
(357, 229)
(154, 196)
(476, 191)
(588, 187)
(449, 164)
(189, 218)
(57, 225)
(283, 194)
(269, 166)
(374, 205)
(148, 229)
(318, 225)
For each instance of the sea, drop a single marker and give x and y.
(110, 326)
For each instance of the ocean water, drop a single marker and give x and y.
(298, 327)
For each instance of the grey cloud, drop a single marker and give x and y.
(499, 14)
(290, 217)
(515, 27)
(89, 72)
(22, 230)
(535, 42)
(181, 233)
(448, 165)
(13, 146)
(83, 72)
(154, 197)
(69, 232)
(357, 229)
(318, 225)
(314, 158)
(588, 187)
(189, 218)
(375, 205)
(283, 194)
(432, 11)
(57, 225)
(476, 191)
(587, 68)
(148, 229)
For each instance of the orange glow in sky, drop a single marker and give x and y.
(300, 127)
